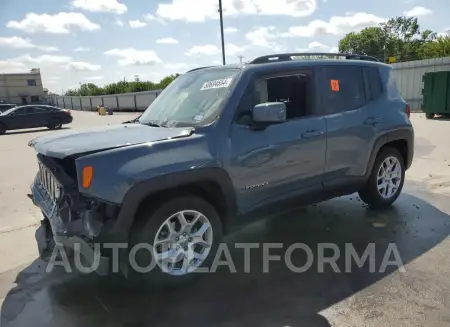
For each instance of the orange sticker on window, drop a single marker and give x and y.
(334, 83)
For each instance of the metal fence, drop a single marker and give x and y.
(138, 101)
(408, 76)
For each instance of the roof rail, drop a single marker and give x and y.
(198, 68)
(288, 57)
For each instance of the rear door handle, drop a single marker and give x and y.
(314, 133)
(372, 121)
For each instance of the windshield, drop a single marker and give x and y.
(190, 99)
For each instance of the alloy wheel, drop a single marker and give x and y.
(183, 242)
(389, 177)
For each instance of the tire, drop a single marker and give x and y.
(370, 193)
(150, 223)
(54, 124)
(429, 115)
(2, 129)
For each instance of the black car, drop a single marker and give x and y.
(34, 116)
(6, 106)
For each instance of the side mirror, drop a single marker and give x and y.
(269, 113)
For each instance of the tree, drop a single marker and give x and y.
(440, 47)
(399, 37)
(121, 87)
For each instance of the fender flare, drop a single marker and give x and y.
(405, 134)
(140, 191)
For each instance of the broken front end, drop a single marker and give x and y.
(71, 219)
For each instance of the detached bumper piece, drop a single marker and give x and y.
(65, 228)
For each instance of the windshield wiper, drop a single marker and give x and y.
(150, 123)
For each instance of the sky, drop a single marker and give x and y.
(104, 41)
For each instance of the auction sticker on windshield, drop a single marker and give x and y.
(216, 84)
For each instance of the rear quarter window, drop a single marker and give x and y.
(373, 83)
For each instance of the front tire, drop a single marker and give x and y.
(2, 129)
(54, 124)
(429, 115)
(184, 234)
(386, 179)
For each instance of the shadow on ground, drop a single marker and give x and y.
(278, 298)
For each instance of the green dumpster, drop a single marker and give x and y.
(436, 94)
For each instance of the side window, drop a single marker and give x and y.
(373, 82)
(20, 111)
(342, 88)
(294, 90)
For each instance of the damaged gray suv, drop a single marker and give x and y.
(220, 145)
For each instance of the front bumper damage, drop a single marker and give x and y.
(69, 220)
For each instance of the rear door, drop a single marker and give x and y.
(352, 120)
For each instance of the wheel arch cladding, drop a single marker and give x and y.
(212, 184)
(402, 140)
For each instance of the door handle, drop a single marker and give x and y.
(372, 121)
(313, 133)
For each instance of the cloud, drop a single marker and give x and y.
(12, 66)
(119, 22)
(180, 65)
(81, 66)
(336, 25)
(94, 78)
(208, 9)
(21, 43)
(59, 23)
(210, 50)
(16, 42)
(230, 30)
(316, 46)
(207, 50)
(418, 11)
(133, 57)
(48, 48)
(168, 40)
(107, 6)
(81, 49)
(261, 36)
(232, 49)
(136, 23)
(151, 17)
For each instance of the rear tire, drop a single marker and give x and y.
(2, 129)
(385, 182)
(429, 115)
(152, 223)
(54, 124)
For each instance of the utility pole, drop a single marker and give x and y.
(240, 58)
(221, 31)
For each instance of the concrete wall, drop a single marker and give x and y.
(14, 87)
(120, 102)
(409, 74)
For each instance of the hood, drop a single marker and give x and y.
(63, 144)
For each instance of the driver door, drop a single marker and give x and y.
(283, 160)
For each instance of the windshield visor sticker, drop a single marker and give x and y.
(198, 117)
(218, 83)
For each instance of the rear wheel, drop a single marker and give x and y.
(54, 124)
(429, 115)
(182, 234)
(2, 129)
(386, 180)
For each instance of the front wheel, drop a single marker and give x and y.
(183, 235)
(429, 115)
(54, 124)
(386, 180)
(2, 129)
